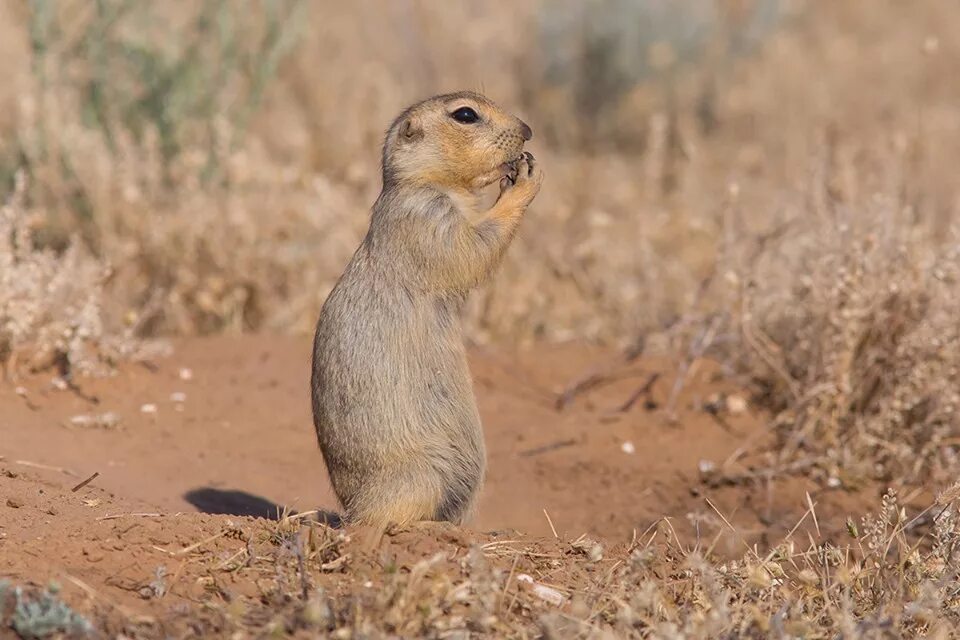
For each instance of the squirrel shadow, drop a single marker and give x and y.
(234, 502)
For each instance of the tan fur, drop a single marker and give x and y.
(392, 399)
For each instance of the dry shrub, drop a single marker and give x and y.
(234, 258)
(884, 583)
(853, 335)
(51, 310)
(841, 298)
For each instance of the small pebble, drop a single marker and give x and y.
(107, 420)
(628, 448)
(14, 503)
(148, 408)
(736, 405)
(186, 374)
(178, 396)
(545, 593)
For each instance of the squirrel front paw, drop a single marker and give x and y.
(523, 182)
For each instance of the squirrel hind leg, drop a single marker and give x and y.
(456, 504)
(397, 504)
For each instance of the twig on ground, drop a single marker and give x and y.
(643, 391)
(691, 363)
(550, 522)
(714, 413)
(553, 446)
(197, 545)
(95, 475)
(115, 516)
(506, 585)
(302, 514)
(47, 467)
(598, 377)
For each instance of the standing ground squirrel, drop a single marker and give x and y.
(393, 403)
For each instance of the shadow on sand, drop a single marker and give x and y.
(240, 503)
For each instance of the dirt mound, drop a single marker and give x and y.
(146, 574)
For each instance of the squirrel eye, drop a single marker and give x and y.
(465, 115)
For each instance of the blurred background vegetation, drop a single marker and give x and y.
(191, 145)
(768, 181)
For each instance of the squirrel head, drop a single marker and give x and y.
(457, 141)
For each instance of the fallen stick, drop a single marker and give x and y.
(547, 447)
(37, 465)
(598, 376)
(639, 393)
(115, 516)
(86, 482)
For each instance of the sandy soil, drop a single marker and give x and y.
(215, 440)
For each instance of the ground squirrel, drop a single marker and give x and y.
(393, 403)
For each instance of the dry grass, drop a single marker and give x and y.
(861, 354)
(789, 208)
(624, 234)
(50, 304)
(894, 576)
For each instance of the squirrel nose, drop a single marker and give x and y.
(525, 130)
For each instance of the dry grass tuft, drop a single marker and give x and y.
(860, 348)
(51, 312)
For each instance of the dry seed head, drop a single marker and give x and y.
(949, 495)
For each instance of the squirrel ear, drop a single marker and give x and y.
(410, 129)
